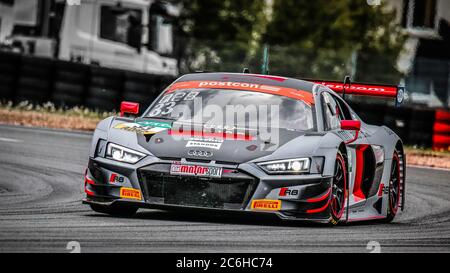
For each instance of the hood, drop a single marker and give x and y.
(161, 139)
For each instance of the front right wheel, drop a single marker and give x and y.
(338, 190)
(394, 189)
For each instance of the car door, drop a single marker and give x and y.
(359, 153)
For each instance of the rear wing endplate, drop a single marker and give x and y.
(363, 89)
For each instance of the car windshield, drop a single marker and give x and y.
(237, 108)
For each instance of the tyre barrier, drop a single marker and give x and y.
(35, 79)
(68, 84)
(9, 66)
(441, 130)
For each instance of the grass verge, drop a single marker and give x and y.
(49, 116)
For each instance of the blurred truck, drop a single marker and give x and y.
(135, 35)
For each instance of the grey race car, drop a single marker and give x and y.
(311, 159)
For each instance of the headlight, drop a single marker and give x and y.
(290, 166)
(123, 154)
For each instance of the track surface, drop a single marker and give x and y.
(41, 177)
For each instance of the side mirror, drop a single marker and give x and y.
(130, 108)
(351, 125)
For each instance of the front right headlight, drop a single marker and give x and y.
(122, 154)
(289, 166)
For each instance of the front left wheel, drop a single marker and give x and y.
(338, 190)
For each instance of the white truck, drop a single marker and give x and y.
(135, 35)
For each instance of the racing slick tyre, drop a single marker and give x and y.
(114, 211)
(338, 190)
(394, 189)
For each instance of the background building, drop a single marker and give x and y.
(427, 56)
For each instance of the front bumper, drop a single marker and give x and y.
(301, 197)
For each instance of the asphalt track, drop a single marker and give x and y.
(41, 187)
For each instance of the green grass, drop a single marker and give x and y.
(50, 108)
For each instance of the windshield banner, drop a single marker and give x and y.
(304, 96)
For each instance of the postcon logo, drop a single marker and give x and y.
(267, 205)
(286, 192)
(115, 178)
(127, 193)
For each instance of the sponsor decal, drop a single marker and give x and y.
(304, 96)
(144, 128)
(128, 193)
(169, 101)
(286, 192)
(155, 124)
(203, 144)
(195, 170)
(269, 205)
(362, 89)
(115, 178)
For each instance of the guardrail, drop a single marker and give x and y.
(39, 80)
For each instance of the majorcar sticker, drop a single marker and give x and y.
(195, 170)
(270, 205)
(127, 193)
(304, 96)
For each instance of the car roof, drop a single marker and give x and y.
(250, 78)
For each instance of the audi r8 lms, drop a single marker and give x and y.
(287, 147)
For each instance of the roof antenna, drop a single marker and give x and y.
(347, 82)
(265, 64)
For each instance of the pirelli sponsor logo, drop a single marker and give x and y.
(267, 205)
(133, 194)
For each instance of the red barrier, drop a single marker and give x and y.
(441, 130)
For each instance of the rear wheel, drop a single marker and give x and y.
(394, 189)
(338, 190)
(114, 211)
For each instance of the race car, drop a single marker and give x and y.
(248, 143)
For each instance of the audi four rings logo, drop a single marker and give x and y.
(200, 153)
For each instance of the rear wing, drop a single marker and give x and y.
(363, 89)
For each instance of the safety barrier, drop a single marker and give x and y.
(441, 130)
(39, 80)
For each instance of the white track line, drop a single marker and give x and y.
(10, 140)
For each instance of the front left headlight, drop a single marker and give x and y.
(122, 154)
(289, 166)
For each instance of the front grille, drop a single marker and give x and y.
(232, 191)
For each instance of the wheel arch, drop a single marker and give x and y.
(343, 150)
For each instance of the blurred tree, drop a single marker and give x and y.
(319, 38)
(220, 34)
